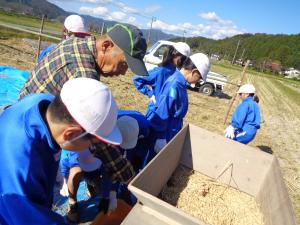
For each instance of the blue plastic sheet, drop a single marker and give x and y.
(11, 82)
(88, 207)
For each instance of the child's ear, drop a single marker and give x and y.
(71, 132)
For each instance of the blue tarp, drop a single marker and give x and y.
(88, 207)
(11, 82)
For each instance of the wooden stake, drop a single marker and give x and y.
(40, 38)
(234, 97)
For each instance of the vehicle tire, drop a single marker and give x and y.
(207, 89)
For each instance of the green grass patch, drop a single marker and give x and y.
(237, 70)
(30, 21)
(7, 33)
(291, 93)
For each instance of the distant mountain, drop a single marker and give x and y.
(34, 8)
(43, 7)
(157, 35)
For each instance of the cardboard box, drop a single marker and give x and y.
(255, 172)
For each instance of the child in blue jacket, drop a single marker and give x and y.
(172, 103)
(246, 118)
(151, 85)
(32, 133)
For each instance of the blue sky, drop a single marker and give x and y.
(215, 19)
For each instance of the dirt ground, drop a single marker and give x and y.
(279, 103)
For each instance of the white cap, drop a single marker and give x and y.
(93, 107)
(75, 24)
(183, 48)
(87, 161)
(129, 128)
(247, 88)
(201, 61)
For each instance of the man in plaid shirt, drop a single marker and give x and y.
(108, 55)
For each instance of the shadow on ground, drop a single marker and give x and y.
(265, 148)
(222, 95)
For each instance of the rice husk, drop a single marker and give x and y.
(209, 200)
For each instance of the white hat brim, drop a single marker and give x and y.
(114, 138)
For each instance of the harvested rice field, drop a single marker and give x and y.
(209, 200)
(279, 103)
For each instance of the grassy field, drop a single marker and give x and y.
(29, 21)
(279, 104)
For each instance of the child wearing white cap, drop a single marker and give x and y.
(151, 85)
(78, 166)
(172, 104)
(246, 118)
(32, 133)
(134, 129)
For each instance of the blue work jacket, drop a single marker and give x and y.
(28, 164)
(152, 84)
(170, 108)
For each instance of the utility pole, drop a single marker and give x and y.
(102, 28)
(40, 38)
(183, 37)
(242, 56)
(232, 62)
(235, 95)
(153, 19)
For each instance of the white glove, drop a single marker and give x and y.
(192, 85)
(64, 190)
(152, 99)
(113, 202)
(159, 144)
(229, 132)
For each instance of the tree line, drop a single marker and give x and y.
(273, 52)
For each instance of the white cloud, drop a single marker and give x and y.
(117, 15)
(187, 26)
(216, 28)
(212, 16)
(127, 9)
(98, 11)
(131, 19)
(158, 24)
(152, 9)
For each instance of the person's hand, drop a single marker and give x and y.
(103, 206)
(64, 190)
(159, 144)
(113, 202)
(152, 99)
(229, 132)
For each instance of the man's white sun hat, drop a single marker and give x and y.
(75, 24)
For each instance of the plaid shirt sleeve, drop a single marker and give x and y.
(118, 168)
(70, 59)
